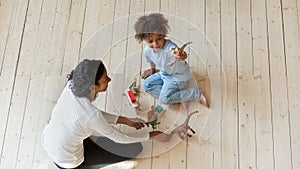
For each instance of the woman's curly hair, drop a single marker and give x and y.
(86, 73)
(149, 24)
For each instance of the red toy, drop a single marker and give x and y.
(131, 98)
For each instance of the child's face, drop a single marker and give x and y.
(155, 41)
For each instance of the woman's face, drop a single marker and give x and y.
(103, 82)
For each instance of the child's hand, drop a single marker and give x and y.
(147, 73)
(137, 123)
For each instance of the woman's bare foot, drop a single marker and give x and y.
(185, 105)
(203, 100)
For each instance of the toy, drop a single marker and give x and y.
(182, 130)
(179, 52)
(134, 87)
(131, 92)
(131, 98)
(153, 113)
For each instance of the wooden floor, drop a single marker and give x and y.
(245, 56)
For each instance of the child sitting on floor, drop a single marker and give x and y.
(169, 84)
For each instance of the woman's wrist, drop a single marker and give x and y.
(122, 120)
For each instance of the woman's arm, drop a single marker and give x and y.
(139, 123)
(132, 122)
(160, 136)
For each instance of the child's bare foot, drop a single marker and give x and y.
(203, 100)
(185, 105)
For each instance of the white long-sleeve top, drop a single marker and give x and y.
(74, 119)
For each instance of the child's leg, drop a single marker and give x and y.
(170, 87)
(153, 85)
(173, 91)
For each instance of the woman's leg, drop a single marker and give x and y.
(105, 152)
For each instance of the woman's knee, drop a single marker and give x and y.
(133, 150)
(138, 148)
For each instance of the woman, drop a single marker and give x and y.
(66, 138)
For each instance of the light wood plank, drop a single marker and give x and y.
(6, 13)
(74, 36)
(292, 51)
(32, 112)
(247, 147)
(15, 121)
(9, 63)
(30, 38)
(262, 95)
(45, 33)
(91, 19)
(229, 116)
(6, 94)
(14, 38)
(152, 6)
(59, 36)
(280, 119)
(213, 84)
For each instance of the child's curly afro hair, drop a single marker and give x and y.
(149, 24)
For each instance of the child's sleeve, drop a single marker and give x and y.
(147, 55)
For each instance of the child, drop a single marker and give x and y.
(169, 84)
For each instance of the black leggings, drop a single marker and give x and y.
(105, 152)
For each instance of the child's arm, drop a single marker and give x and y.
(150, 71)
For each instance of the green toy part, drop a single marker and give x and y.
(154, 122)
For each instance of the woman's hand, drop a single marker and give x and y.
(136, 123)
(132, 122)
(147, 73)
(160, 136)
